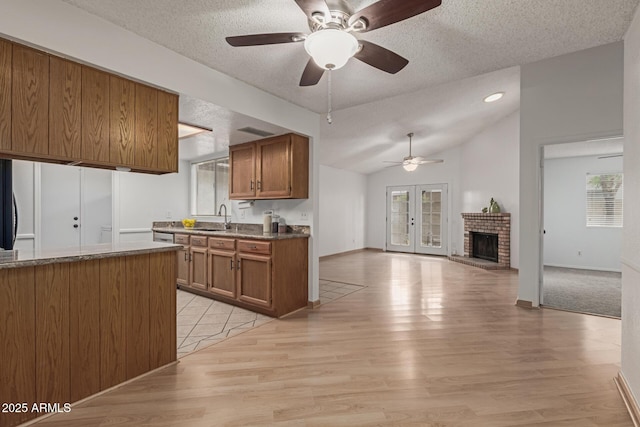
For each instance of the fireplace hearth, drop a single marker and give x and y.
(487, 240)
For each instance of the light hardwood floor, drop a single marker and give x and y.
(428, 342)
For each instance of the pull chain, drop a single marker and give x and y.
(329, 118)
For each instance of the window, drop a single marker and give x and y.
(209, 186)
(604, 200)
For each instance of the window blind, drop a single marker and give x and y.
(604, 200)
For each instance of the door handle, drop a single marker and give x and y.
(232, 264)
(75, 218)
(75, 226)
(251, 188)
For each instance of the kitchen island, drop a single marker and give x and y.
(77, 321)
(265, 273)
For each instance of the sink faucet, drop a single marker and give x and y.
(227, 224)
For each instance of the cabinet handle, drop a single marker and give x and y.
(238, 265)
(220, 243)
(253, 247)
(185, 256)
(232, 264)
(251, 188)
(259, 185)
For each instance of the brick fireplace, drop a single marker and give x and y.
(486, 226)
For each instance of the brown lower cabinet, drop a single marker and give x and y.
(70, 330)
(269, 277)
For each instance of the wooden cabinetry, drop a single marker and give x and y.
(182, 259)
(73, 329)
(59, 111)
(272, 168)
(222, 265)
(265, 276)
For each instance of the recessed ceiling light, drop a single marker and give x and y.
(494, 97)
(186, 130)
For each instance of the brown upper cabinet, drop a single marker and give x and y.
(58, 111)
(272, 168)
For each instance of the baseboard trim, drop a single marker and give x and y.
(526, 304)
(313, 304)
(339, 254)
(627, 397)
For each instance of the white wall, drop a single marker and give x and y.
(631, 238)
(489, 168)
(141, 199)
(97, 195)
(438, 173)
(568, 242)
(24, 190)
(342, 210)
(573, 97)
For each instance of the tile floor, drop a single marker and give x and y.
(203, 321)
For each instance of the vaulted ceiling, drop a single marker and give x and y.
(457, 41)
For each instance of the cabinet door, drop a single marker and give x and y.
(183, 266)
(273, 168)
(167, 132)
(222, 273)
(65, 108)
(242, 159)
(95, 115)
(254, 279)
(146, 134)
(5, 101)
(30, 101)
(199, 268)
(122, 117)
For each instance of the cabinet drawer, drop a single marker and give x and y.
(225, 244)
(182, 239)
(198, 241)
(254, 247)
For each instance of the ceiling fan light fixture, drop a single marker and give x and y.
(494, 97)
(410, 166)
(331, 48)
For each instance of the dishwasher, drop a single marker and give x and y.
(162, 237)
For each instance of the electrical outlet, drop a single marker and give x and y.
(168, 216)
(304, 216)
(241, 214)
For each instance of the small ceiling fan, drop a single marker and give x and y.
(410, 163)
(332, 43)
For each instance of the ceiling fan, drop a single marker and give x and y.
(410, 163)
(332, 43)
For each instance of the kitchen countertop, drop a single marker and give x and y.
(230, 233)
(26, 258)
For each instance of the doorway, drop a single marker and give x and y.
(582, 215)
(75, 206)
(417, 219)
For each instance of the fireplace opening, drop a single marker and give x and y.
(484, 246)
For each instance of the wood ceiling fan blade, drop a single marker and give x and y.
(387, 12)
(264, 39)
(380, 58)
(311, 74)
(309, 7)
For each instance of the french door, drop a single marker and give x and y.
(417, 219)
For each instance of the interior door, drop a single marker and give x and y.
(417, 219)
(401, 219)
(60, 206)
(431, 219)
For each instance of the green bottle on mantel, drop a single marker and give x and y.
(494, 207)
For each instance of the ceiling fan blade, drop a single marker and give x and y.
(380, 58)
(263, 39)
(309, 7)
(311, 74)
(387, 12)
(388, 161)
(427, 161)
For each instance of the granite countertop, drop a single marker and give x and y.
(23, 258)
(241, 234)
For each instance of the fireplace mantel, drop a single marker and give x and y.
(490, 223)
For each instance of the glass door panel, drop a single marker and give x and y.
(400, 218)
(433, 219)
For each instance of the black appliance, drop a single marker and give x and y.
(9, 211)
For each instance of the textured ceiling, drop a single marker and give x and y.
(459, 39)
(458, 53)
